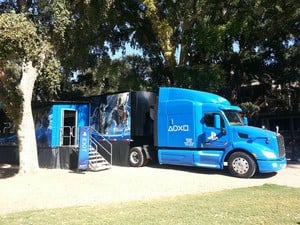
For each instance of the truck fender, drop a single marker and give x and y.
(258, 151)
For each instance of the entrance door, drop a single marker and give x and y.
(69, 132)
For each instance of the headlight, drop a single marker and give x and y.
(269, 155)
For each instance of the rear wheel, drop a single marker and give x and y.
(241, 164)
(136, 157)
(145, 162)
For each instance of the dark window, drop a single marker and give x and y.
(209, 120)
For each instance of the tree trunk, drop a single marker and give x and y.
(26, 132)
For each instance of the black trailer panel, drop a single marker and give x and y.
(125, 119)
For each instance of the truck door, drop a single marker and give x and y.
(215, 137)
(213, 142)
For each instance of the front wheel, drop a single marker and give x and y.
(136, 157)
(241, 164)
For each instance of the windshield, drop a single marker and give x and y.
(234, 118)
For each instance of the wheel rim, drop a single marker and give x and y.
(240, 165)
(134, 157)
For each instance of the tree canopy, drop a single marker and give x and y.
(211, 45)
(216, 46)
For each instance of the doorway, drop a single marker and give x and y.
(69, 131)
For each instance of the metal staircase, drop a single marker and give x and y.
(100, 152)
(100, 149)
(96, 161)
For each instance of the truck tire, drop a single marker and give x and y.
(241, 164)
(136, 157)
(145, 162)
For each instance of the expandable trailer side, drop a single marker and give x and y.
(125, 119)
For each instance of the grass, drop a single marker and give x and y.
(267, 204)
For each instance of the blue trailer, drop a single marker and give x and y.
(57, 131)
(57, 134)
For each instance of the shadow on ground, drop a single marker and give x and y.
(8, 170)
(225, 172)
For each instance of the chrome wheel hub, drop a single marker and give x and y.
(240, 165)
(134, 157)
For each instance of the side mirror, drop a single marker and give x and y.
(245, 120)
(217, 122)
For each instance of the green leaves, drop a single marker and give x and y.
(10, 95)
(249, 109)
(48, 84)
(211, 45)
(18, 37)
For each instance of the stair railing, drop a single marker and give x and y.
(107, 150)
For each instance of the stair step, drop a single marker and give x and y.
(98, 166)
(95, 157)
(96, 161)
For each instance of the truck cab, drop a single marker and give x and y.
(202, 129)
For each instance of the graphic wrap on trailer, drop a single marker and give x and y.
(111, 115)
(125, 120)
(57, 123)
(43, 118)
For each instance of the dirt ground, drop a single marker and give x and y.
(54, 188)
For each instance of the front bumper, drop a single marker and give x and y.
(271, 165)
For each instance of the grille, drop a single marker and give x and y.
(280, 142)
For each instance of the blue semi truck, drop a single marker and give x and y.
(176, 126)
(195, 128)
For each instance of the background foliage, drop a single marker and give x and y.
(219, 46)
